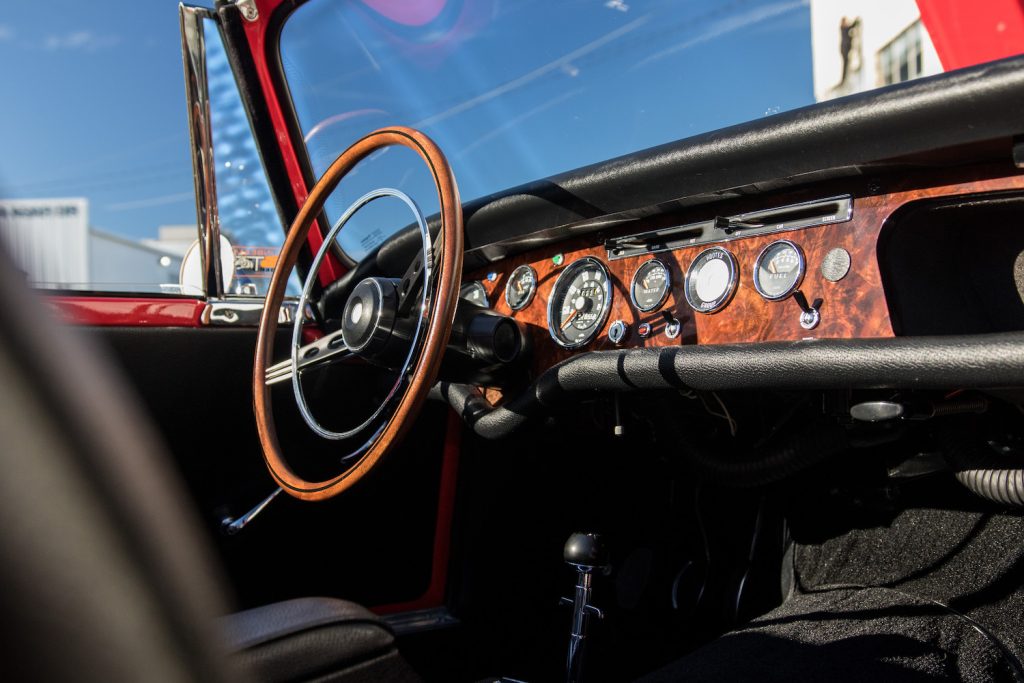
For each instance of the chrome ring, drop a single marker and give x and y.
(722, 301)
(311, 277)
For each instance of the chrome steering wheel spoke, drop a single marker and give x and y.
(324, 351)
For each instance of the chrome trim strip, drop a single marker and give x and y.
(197, 95)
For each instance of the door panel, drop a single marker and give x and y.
(373, 545)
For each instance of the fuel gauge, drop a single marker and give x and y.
(779, 270)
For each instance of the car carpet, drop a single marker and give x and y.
(931, 595)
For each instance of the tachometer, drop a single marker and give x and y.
(521, 287)
(778, 270)
(711, 280)
(650, 285)
(579, 303)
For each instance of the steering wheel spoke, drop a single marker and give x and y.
(324, 351)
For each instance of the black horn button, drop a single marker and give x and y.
(369, 316)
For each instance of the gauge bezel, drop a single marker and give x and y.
(475, 283)
(730, 291)
(571, 268)
(801, 270)
(664, 295)
(533, 289)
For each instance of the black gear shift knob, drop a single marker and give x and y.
(585, 550)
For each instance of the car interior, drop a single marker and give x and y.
(742, 406)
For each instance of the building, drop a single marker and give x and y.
(859, 45)
(52, 242)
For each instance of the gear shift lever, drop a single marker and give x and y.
(585, 552)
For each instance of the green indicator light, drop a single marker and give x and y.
(557, 259)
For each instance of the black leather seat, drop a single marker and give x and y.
(315, 639)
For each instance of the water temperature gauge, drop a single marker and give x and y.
(650, 286)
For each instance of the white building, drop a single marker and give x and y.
(880, 41)
(52, 242)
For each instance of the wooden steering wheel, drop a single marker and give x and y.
(368, 317)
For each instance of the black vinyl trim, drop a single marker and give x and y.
(954, 362)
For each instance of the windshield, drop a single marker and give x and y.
(516, 91)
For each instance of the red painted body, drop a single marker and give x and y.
(256, 33)
(968, 33)
(127, 311)
(434, 596)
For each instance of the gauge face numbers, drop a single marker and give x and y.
(579, 303)
(474, 293)
(711, 280)
(521, 287)
(778, 270)
(650, 286)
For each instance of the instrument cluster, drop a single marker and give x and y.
(580, 301)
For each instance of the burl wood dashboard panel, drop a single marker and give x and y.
(854, 307)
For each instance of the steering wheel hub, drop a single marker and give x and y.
(369, 316)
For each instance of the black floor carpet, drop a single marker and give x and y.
(930, 595)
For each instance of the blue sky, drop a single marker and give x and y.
(512, 90)
(94, 106)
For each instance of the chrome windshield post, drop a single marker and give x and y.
(197, 95)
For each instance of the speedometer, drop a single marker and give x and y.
(579, 303)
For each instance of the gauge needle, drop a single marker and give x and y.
(568, 320)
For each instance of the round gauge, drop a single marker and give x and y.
(579, 303)
(521, 287)
(474, 293)
(711, 280)
(650, 286)
(778, 270)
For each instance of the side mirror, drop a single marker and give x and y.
(191, 276)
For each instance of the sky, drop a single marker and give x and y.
(94, 106)
(511, 90)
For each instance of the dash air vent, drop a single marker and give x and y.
(725, 228)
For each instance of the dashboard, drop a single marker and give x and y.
(794, 266)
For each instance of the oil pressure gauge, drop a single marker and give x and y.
(521, 287)
(779, 270)
(711, 280)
